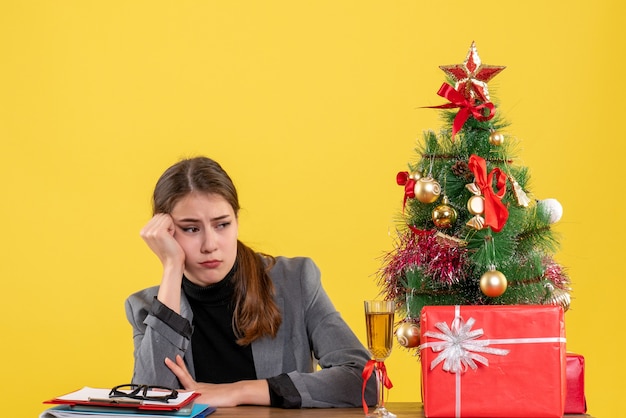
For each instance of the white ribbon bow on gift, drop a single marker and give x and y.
(459, 346)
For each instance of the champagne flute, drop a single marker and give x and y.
(379, 323)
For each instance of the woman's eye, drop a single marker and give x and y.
(191, 229)
(222, 225)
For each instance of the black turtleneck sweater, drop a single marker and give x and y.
(217, 356)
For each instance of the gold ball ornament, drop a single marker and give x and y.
(408, 335)
(444, 215)
(493, 283)
(427, 190)
(496, 138)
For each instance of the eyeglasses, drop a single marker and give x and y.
(143, 392)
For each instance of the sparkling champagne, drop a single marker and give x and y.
(379, 333)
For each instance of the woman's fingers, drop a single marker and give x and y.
(179, 368)
(159, 233)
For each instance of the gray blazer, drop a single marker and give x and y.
(312, 333)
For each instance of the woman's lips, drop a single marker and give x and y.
(211, 264)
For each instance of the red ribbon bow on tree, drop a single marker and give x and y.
(467, 107)
(496, 212)
(370, 367)
(404, 179)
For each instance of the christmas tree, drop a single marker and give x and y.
(470, 230)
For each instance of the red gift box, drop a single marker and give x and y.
(575, 402)
(493, 361)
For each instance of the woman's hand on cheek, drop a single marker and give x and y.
(249, 392)
(158, 233)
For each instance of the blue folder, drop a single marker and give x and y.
(81, 411)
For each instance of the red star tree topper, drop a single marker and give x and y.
(472, 76)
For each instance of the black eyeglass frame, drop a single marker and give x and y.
(141, 392)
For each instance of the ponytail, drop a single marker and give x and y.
(256, 314)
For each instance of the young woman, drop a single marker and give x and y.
(237, 326)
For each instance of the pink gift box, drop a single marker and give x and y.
(575, 402)
(493, 361)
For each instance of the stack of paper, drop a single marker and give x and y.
(93, 403)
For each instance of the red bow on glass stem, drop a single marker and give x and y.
(373, 366)
(467, 107)
(496, 212)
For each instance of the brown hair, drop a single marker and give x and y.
(256, 313)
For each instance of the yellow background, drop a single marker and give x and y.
(313, 107)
